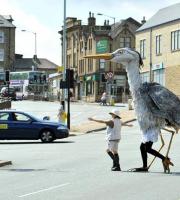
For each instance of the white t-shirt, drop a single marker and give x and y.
(115, 132)
(151, 135)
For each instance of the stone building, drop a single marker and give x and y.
(93, 77)
(158, 41)
(7, 43)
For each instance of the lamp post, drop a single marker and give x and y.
(35, 40)
(114, 19)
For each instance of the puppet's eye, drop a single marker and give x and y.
(121, 51)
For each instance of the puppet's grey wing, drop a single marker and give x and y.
(163, 103)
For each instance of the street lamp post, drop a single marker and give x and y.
(114, 19)
(35, 40)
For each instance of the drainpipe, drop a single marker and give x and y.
(150, 58)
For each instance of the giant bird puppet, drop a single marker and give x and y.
(155, 106)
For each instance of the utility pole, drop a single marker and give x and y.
(64, 56)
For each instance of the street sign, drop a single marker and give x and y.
(109, 75)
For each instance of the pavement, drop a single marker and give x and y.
(91, 126)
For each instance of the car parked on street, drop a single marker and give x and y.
(17, 125)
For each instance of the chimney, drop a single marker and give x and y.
(91, 20)
(108, 22)
(143, 21)
(104, 22)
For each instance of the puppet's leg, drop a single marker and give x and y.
(162, 141)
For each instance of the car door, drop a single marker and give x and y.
(22, 127)
(4, 125)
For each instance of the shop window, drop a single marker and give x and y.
(145, 77)
(159, 76)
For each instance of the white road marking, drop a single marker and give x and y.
(43, 190)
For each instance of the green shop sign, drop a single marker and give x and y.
(94, 77)
(101, 46)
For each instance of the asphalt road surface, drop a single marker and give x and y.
(77, 168)
(79, 111)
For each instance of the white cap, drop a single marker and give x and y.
(115, 112)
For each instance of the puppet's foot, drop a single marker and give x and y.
(166, 162)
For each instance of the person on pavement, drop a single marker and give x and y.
(104, 99)
(62, 116)
(113, 136)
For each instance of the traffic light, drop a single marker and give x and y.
(35, 78)
(70, 77)
(103, 79)
(44, 78)
(7, 74)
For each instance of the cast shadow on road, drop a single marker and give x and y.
(151, 172)
(35, 142)
(34, 170)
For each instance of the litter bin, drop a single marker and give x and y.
(112, 100)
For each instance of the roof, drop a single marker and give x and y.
(4, 21)
(27, 63)
(119, 26)
(164, 15)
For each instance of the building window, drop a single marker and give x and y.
(90, 64)
(175, 40)
(1, 37)
(159, 76)
(158, 44)
(90, 44)
(125, 42)
(145, 77)
(142, 48)
(81, 47)
(68, 60)
(1, 54)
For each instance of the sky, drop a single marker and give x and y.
(45, 18)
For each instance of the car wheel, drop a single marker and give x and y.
(46, 136)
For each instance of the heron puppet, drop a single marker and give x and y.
(155, 106)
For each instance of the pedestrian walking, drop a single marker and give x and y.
(62, 116)
(104, 99)
(113, 136)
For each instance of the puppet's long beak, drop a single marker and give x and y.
(106, 56)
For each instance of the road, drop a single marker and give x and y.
(79, 111)
(77, 168)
